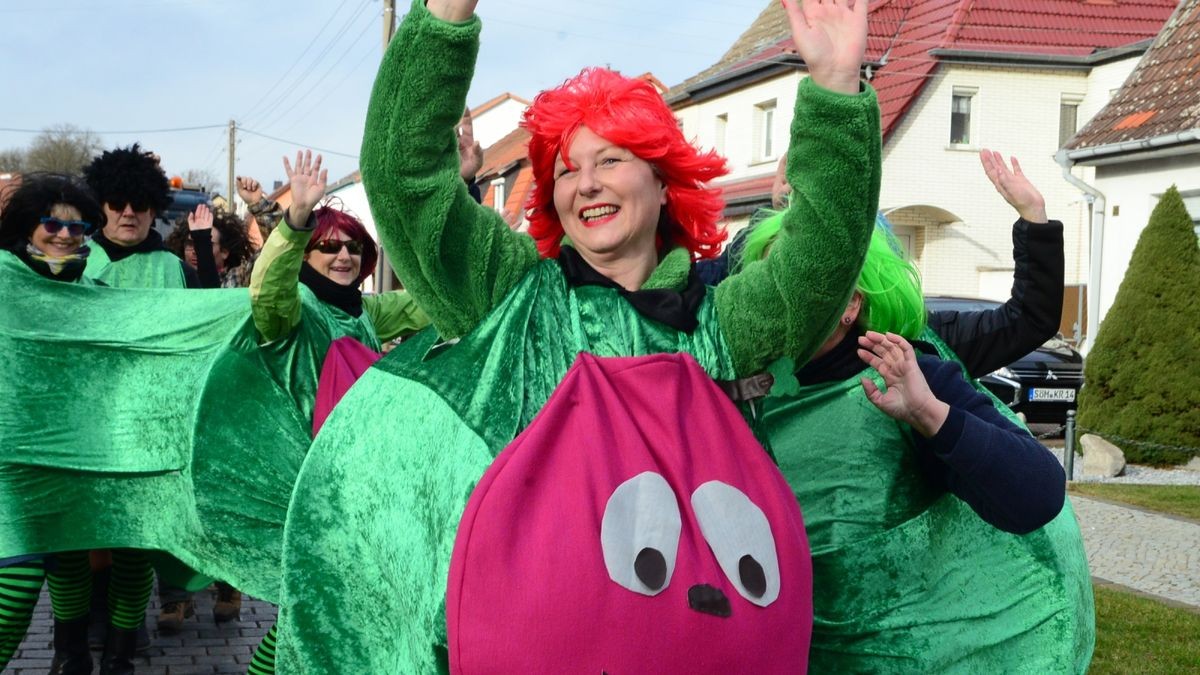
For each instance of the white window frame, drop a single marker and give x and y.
(1075, 101)
(720, 131)
(766, 140)
(972, 130)
(498, 196)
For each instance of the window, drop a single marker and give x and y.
(960, 116)
(499, 194)
(765, 131)
(719, 133)
(1191, 201)
(1068, 118)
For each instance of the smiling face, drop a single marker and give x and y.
(341, 266)
(608, 200)
(59, 244)
(126, 226)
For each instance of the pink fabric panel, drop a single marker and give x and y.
(345, 361)
(529, 590)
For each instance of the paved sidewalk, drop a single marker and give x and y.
(1147, 552)
(201, 647)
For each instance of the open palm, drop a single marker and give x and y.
(831, 37)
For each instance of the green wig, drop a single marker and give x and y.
(890, 285)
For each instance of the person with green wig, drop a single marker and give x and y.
(939, 534)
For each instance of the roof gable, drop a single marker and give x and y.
(1161, 95)
(903, 33)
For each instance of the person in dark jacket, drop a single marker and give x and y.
(988, 339)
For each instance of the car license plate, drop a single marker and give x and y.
(1067, 395)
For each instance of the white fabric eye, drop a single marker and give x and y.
(640, 534)
(740, 537)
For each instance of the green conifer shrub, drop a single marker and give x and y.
(1142, 376)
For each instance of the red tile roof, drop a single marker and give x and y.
(492, 103)
(503, 156)
(1161, 95)
(902, 33)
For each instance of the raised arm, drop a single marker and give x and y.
(787, 304)
(1009, 479)
(458, 259)
(275, 280)
(986, 340)
(200, 224)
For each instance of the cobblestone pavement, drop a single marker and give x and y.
(201, 647)
(1147, 552)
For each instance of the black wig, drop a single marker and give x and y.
(129, 175)
(33, 198)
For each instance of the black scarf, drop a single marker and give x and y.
(152, 242)
(673, 308)
(346, 298)
(842, 362)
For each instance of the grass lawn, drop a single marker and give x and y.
(1179, 500)
(1135, 634)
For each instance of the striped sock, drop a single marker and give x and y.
(20, 585)
(71, 585)
(263, 662)
(129, 588)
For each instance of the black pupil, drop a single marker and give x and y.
(651, 568)
(754, 580)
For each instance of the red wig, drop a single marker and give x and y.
(331, 220)
(632, 114)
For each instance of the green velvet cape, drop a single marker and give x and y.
(151, 418)
(906, 577)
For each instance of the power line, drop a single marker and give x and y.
(297, 144)
(294, 85)
(285, 111)
(279, 80)
(124, 131)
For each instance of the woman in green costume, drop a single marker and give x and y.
(939, 536)
(375, 511)
(44, 225)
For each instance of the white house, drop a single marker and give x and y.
(952, 76)
(1146, 139)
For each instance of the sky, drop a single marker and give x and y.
(300, 70)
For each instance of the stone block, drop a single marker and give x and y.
(1101, 459)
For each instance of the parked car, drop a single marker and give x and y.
(1042, 385)
(184, 200)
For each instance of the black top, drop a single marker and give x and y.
(997, 468)
(152, 242)
(986, 340)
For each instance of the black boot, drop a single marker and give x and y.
(71, 655)
(119, 645)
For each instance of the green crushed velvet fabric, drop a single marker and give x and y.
(906, 578)
(156, 269)
(150, 418)
(377, 504)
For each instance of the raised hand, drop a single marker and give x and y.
(249, 190)
(452, 10)
(1014, 186)
(308, 181)
(200, 219)
(831, 37)
(470, 152)
(908, 397)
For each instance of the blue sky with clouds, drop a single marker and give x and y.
(302, 70)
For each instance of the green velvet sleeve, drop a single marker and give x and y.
(457, 258)
(275, 283)
(394, 314)
(788, 303)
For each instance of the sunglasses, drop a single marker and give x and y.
(334, 246)
(75, 228)
(119, 206)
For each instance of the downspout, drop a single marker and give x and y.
(1096, 233)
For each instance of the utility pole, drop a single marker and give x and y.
(383, 269)
(389, 21)
(232, 157)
